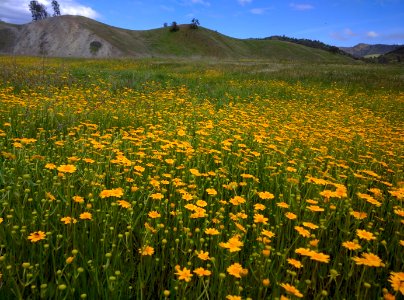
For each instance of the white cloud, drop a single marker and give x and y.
(301, 6)
(17, 11)
(260, 11)
(243, 2)
(372, 34)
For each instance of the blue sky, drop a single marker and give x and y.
(340, 22)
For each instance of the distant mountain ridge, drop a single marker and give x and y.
(363, 50)
(76, 36)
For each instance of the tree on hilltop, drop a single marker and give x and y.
(38, 11)
(174, 27)
(56, 8)
(195, 23)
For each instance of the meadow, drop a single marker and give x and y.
(171, 179)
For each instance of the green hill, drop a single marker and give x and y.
(74, 36)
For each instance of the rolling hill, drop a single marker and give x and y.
(75, 36)
(367, 50)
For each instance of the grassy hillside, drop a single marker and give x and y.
(187, 42)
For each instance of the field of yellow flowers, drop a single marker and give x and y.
(185, 180)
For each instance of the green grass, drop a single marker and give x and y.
(301, 157)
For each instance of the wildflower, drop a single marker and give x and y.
(68, 220)
(50, 196)
(202, 272)
(358, 215)
(320, 257)
(315, 208)
(211, 231)
(50, 166)
(396, 280)
(184, 274)
(187, 197)
(290, 289)
(365, 235)
(67, 168)
(266, 195)
(70, 259)
(294, 262)
(236, 270)
(203, 255)
(351, 245)
(258, 218)
(37, 236)
(201, 203)
(211, 192)
(237, 200)
(282, 205)
(154, 214)
(157, 196)
(86, 216)
(267, 233)
(233, 244)
(310, 225)
(259, 206)
(78, 199)
(290, 215)
(146, 251)
(303, 232)
(1, 220)
(233, 297)
(124, 204)
(369, 259)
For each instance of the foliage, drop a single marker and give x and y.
(95, 46)
(165, 179)
(194, 23)
(56, 8)
(38, 11)
(174, 27)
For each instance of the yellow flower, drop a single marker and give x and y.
(369, 259)
(183, 274)
(203, 255)
(154, 214)
(296, 263)
(396, 280)
(290, 289)
(67, 168)
(36, 236)
(211, 192)
(266, 195)
(233, 297)
(124, 204)
(78, 199)
(50, 166)
(303, 232)
(365, 235)
(290, 215)
(86, 216)
(202, 272)
(212, 231)
(258, 218)
(351, 245)
(70, 259)
(237, 270)
(146, 251)
(157, 196)
(68, 220)
(233, 244)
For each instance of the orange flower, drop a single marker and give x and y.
(351, 245)
(303, 232)
(237, 200)
(212, 231)
(86, 216)
(78, 199)
(203, 255)
(369, 259)
(36, 236)
(294, 262)
(266, 195)
(321, 257)
(124, 204)
(258, 218)
(154, 214)
(211, 192)
(202, 272)
(365, 235)
(358, 215)
(290, 289)
(183, 274)
(67, 169)
(396, 280)
(290, 215)
(233, 244)
(68, 220)
(237, 270)
(146, 250)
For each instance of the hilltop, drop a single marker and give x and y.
(367, 50)
(76, 36)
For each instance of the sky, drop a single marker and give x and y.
(338, 23)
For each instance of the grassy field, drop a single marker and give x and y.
(170, 179)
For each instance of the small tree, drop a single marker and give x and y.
(56, 8)
(38, 11)
(195, 23)
(174, 27)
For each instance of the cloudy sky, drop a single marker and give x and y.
(339, 22)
